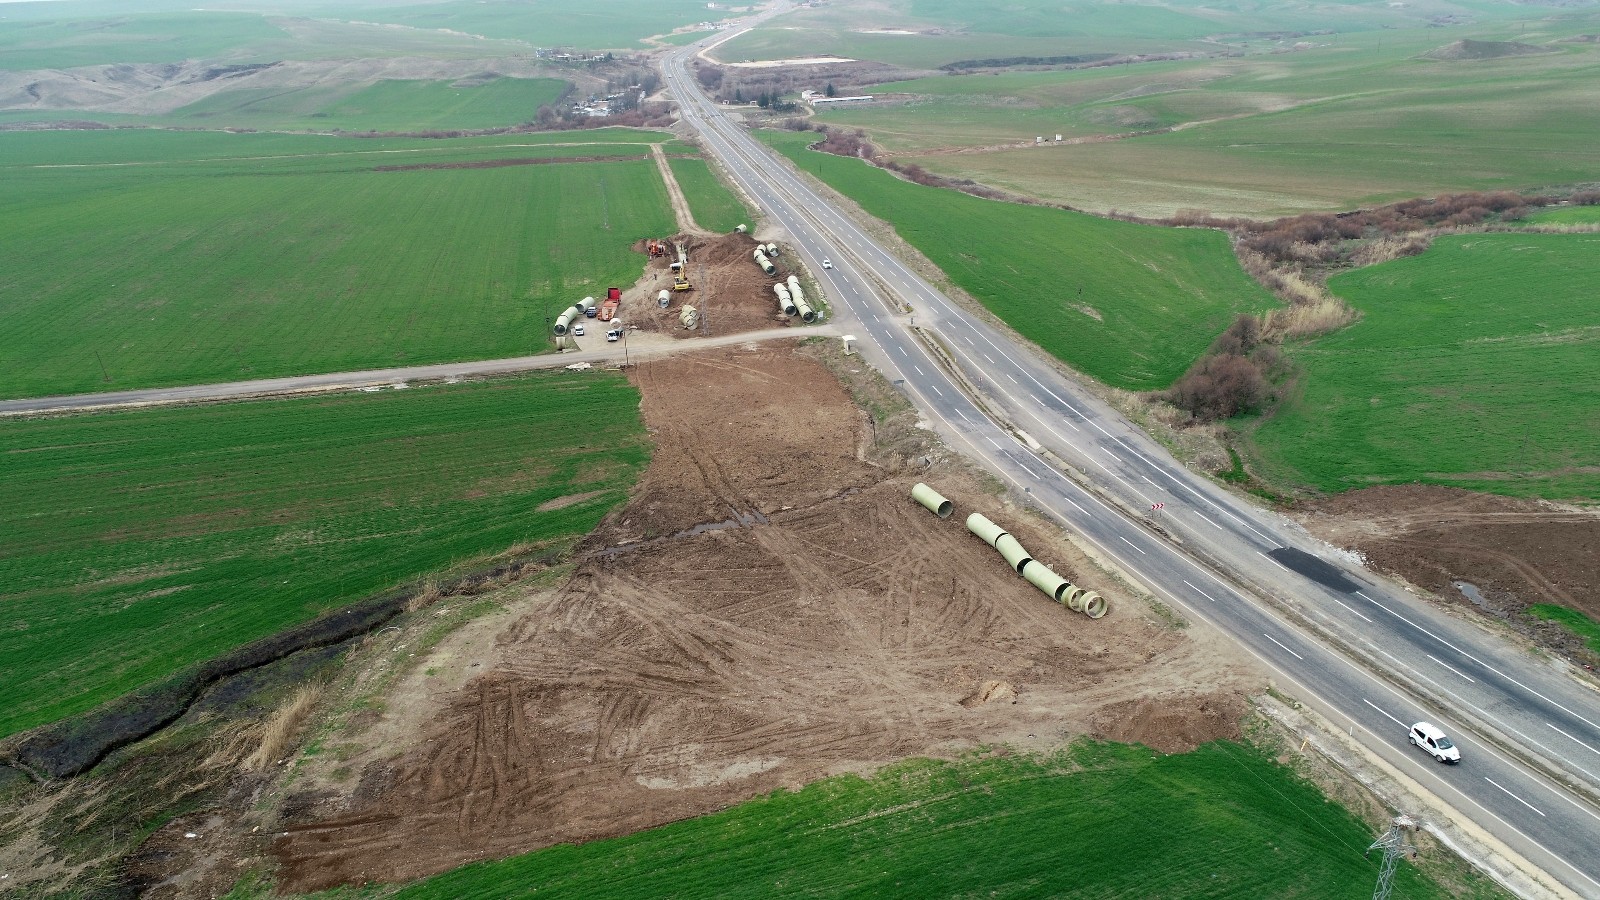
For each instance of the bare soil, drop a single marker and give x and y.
(1515, 552)
(769, 608)
(731, 292)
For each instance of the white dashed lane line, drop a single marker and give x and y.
(1285, 649)
(1514, 796)
(1201, 593)
(1450, 667)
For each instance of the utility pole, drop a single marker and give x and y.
(1394, 845)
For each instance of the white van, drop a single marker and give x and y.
(1432, 740)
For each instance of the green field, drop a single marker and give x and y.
(1567, 215)
(581, 24)
(1475, 365)
(1096, 820)
(1131, 305)
(1356, 119)
(945, 31)
(133, 543)
(147, 38)
(714, 206)
(293, 254)
(385, 106)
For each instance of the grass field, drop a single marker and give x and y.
(1359, 119)
(1097, 820)
(148, 38)
(581, 24)
(1567, 215)
(202, 269)
(1475, 364)
(385, 106)
(1131, 305)
(713, 205)
(1574, 621)
(945, 31)
(133, 543)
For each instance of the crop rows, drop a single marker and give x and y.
(1476, 364)
(713, 205)
(1131, 305)
(203, 271)
(133, 543)
(1100, 820)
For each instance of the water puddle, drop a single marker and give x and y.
(1471, 592)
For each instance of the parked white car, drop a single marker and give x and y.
(577, 330)
(1434, 742)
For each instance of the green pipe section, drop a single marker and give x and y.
(784, 302)
(807, 314)
(1012, 550)
(932, 499)
(1040, 576)
(989, 532)
(1072, 598)
(1094, 605)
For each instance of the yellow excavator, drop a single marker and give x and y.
(680, 270)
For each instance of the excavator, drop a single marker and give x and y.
(680, 270)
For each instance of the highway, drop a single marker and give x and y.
(1361, 650)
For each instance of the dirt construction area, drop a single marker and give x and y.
(1498, 554)
(731, 291)
(768, 609)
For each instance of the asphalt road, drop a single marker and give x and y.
(1365, 652)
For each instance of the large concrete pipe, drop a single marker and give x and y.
(762, 261)
(794, 289)
(689, 316)
(932, 499)
(987, 531)
(785, 303)
(1094, 605)
(772, 250)
(1040, 576)
(1012, 550)
(1072, 598)
(807, 314)
(563, 321)
(584, 305)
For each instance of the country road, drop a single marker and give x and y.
(606, 354)
(1363, 651)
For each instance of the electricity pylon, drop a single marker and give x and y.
(1394, 845)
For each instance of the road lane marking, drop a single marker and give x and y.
(1202, 593)
(1450, 667)
(936, 389)
(1281, 644)
(990, 359)
(1276, 563)
(919, 370)
(992, 441)
(1386, 715)
(1028, 470)
(1357, 615)
(1573, 739)
(1514, 796)
(1013, 380)
(1074, 505)
(1480, 662)
(1132, 544)
(1208, 520)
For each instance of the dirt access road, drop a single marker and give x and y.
(768, 609)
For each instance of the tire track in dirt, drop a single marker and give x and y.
(841, 631)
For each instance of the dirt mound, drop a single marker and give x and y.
(731, 292)
(1484, 50)
(1514, 552)
(768, 609)
(1173, 724)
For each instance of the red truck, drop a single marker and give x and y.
(609, 308)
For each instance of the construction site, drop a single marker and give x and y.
(771, 607)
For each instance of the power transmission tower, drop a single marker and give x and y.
(1394, 845)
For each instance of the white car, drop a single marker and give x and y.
(1432, 740)
(827, 263)
(577, 330)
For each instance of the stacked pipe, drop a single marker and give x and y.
(1090, 603)
(807, 314)
(689, 317)
(785, 303)
(763, 262)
